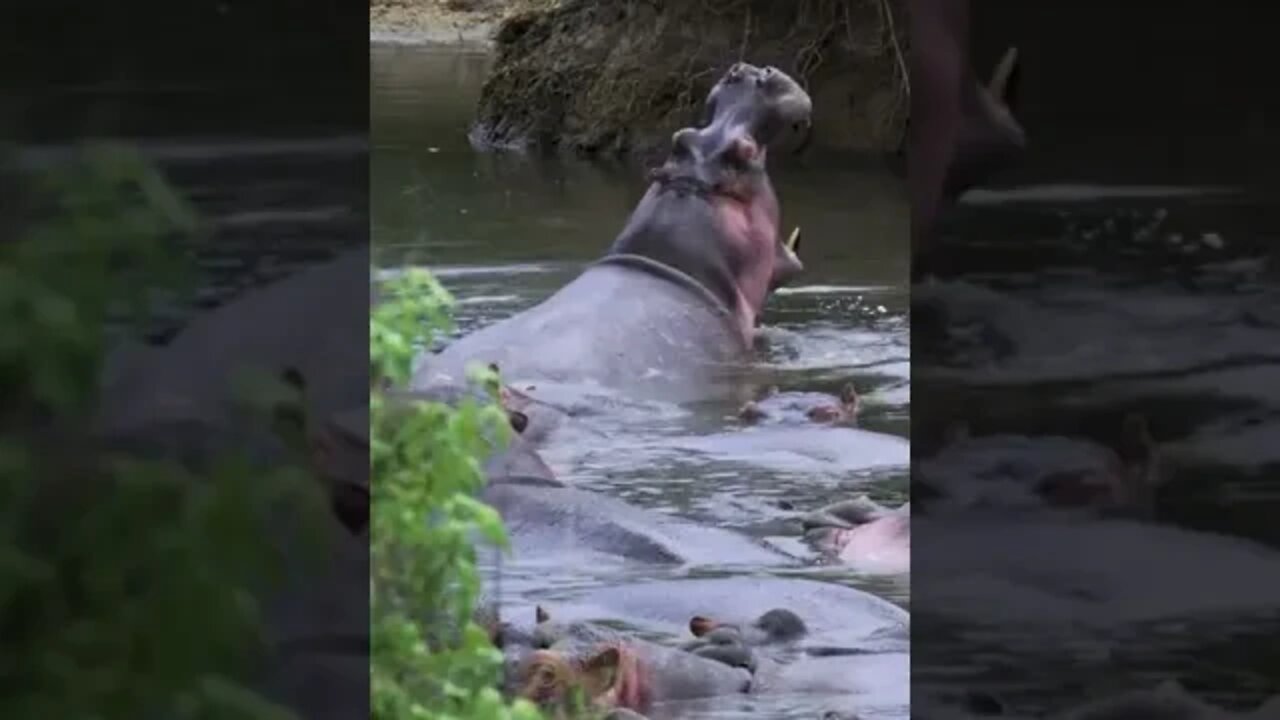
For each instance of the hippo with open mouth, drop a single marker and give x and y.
(681, 289)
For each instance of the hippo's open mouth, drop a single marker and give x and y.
(747, 110)
(711, 212)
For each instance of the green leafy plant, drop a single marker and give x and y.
(126, 584)
(430, 658)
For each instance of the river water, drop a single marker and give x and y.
(504, 231)
(1074, 306)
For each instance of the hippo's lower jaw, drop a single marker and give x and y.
(725, 236)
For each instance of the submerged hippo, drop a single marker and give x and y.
(314, 602)
(862, 533)
(543, 521)
(624, 672)
(833, 615)
(305, 321)
(1166, 701)
(768, 648)
(778, 406)
(682, 287)
(757, 658)
(1046, 472)
(738, 644)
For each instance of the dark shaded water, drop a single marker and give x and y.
(1072, 307)
(504, 231)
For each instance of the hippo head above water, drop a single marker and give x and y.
(711, 212)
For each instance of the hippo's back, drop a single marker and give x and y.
(304, 321)
(832, 612)
(615, 325)
(542, 520)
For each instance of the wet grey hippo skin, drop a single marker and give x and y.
(303, 321)
(518, 458)
(802, 407)
(961, 132)
(544, 518)
(768, 649)
(862, 533)
(622, 672)
(680, 290)
(1047, 472)
(1166, 701)
(783, 658)
(738, 645)
(834, 615)
(317, 618)
(545, 521)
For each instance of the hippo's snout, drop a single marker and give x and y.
(765, 100)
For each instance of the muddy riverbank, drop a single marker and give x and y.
(434, 22)
(614, 78)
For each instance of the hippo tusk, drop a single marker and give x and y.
(793, 242)
(1000, 76)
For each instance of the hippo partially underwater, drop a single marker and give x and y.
(793, 407)
(740, 650)
(1168, 700)
(863, 534)
(681, 289)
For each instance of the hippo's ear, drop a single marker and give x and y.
(699, 625)
(600, 671)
